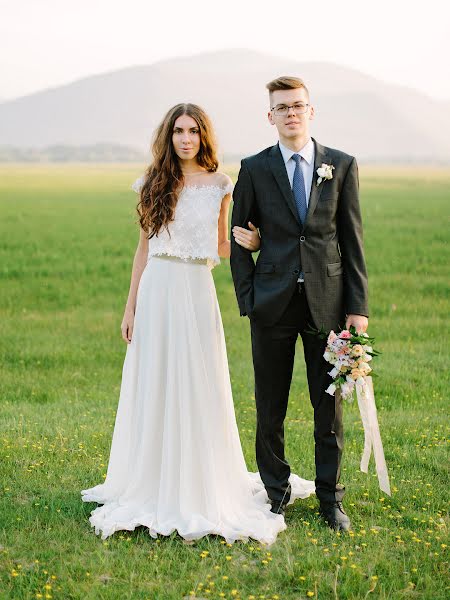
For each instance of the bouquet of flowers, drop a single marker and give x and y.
(350, 354)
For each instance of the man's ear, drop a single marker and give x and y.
(270, 117)
(311, 113)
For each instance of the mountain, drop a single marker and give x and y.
(357, 113)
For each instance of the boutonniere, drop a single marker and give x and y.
(324, 172)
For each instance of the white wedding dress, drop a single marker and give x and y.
(176, 461)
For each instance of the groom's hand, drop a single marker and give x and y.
(247, 239)
(359, 322)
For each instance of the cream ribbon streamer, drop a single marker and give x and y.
(372, 437)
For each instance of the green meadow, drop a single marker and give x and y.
(67, 239)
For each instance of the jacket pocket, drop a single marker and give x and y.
(334, 269)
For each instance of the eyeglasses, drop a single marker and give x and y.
(281, 110)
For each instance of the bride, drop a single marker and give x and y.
(176, 461)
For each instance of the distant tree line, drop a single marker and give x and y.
(116, 153)
(64, 153)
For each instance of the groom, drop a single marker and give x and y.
(310, 272)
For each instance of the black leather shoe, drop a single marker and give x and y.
(278, 508)
(335, 515)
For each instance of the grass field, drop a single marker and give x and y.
(67, 237)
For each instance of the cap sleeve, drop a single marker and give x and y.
(228, 186)
(138, 184)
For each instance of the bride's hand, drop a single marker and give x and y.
(127, 325)
(247, 239)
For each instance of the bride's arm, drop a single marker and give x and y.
(139, 262)
(224, 246)
(248, 238)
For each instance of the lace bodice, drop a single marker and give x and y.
(193, 232)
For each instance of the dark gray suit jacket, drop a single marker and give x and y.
(328, 248)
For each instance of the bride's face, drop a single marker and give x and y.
(186, 137)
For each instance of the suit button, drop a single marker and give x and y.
(302, 238)
(297, 271)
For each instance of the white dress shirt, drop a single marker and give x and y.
(306, 164)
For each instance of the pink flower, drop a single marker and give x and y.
(345, 334)
(332, 336)
(342, 351)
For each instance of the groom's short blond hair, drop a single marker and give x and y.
(286, 83)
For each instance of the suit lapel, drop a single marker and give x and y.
(278, 169)
(320, 156)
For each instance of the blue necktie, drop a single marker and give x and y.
(298, 187)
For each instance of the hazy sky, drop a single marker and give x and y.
(45, 43)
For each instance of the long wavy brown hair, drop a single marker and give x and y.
(164, 177)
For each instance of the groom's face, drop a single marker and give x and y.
(294, 123)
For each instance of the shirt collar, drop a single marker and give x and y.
(307, 152)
